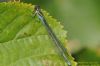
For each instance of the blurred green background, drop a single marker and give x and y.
(81, 18)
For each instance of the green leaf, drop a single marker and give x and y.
(88, 57)
(24, 40)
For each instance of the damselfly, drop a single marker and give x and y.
(57, 42)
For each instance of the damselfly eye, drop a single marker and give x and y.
(37, 7)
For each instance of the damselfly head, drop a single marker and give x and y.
(37, 10)
(37, 7)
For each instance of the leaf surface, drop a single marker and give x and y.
(24, 40)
